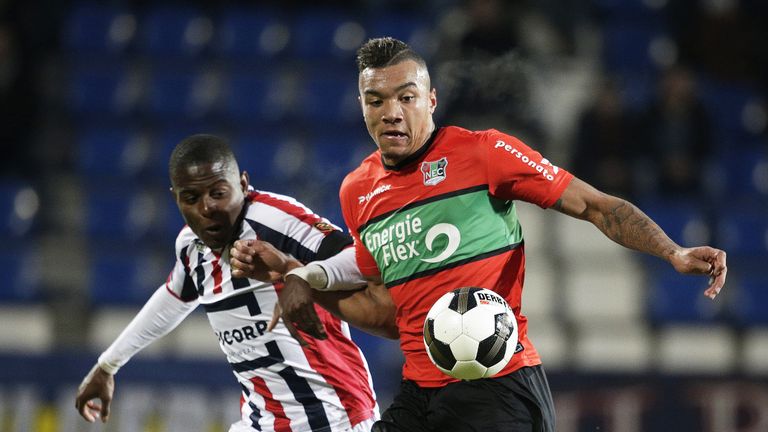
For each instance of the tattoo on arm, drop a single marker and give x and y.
(628, 226)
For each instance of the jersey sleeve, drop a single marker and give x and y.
(365, 261)
(179, 282)
(294, 228)
(517, 172)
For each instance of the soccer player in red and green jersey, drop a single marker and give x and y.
(433, 210)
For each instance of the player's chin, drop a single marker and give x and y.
(214, 242)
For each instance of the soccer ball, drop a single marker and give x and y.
(470, 333)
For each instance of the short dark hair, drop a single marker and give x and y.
(385, 51)
(201, 149)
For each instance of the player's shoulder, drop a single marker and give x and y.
(185, 238)
(457, 136)
(261, 200)
(367, 170)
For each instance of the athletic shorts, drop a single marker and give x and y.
(518, 402)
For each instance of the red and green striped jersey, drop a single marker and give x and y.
(445, 218)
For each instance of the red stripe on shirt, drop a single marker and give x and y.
(340, 363)
(298, 212)
(282, 422)
(216, 273)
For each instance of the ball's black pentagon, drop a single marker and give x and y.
(505, 325)
(429, 330)
(441, 354)
(463, 299)
(491, 350)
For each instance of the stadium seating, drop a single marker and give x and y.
(752, 296)
(251, 35)
(19, 271)
(255, 95)
(117, 214)
(19, 206)
(93, 29)
(174, 33)
(325, 35)
(113, 152)
(177, 93)
(126, 276)
(103, 91)
(676, 298)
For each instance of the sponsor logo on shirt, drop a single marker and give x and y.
(544, 167)
(370, 195)
(242, 334)
(434, 171)
(403, 241)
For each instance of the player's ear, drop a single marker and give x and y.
(244, 182)
(432, 100)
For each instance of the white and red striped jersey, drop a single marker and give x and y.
(325, 386)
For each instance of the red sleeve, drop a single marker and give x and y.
(516, 171)
(365, 261)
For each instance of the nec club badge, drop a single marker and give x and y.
(434, 171)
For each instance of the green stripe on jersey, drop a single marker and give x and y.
(427, 237)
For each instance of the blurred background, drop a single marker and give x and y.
(659, 101)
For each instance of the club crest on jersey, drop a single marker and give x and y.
(434, 171)
(324, 227)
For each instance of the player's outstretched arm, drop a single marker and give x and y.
(370, 309)
(627, 225)
(98, 384)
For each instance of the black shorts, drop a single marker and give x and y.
(520, 401)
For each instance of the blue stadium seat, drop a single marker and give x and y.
(20, 273)
(746, 174)
(322, 35)
(98, 30)
(176, 93)
(115, 152)
(684, 222)
(19, 206)
(415, 30)
(627, 48)
(743, 230)
(122, 214)
(752, 296)
(726, 103)
(254, 96)
(675, 298)
(337, 152)
(103, 91)
(329, 97)
(174, 33)
(119, 277)
(255, 151)
(246, 35)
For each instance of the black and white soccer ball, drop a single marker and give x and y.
(470, 333)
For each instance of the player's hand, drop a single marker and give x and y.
(703, 260)
(96, 385)
(297, 309)
(259, 260)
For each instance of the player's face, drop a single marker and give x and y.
(210, 197)
(397, 106)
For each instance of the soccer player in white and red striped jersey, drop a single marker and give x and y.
(286, 386)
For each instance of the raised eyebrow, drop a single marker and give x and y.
(397, 89)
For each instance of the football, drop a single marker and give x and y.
(470, 333)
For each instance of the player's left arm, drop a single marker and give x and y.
(627, 225)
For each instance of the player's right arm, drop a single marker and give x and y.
(161, 314)
(168, 306)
